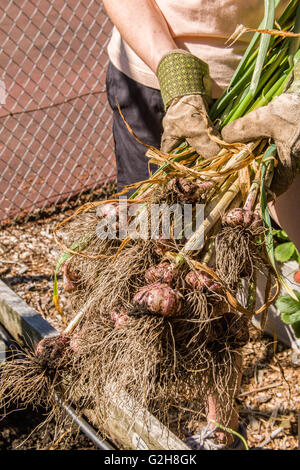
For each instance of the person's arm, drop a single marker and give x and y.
(143, 27)
(182, 77)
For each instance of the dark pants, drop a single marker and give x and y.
(143, 110)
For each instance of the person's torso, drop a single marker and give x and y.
(210, 18)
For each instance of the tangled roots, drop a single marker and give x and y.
(41, 380)
(161, 363)
(25, 383)
(119, 279)
(237, 254)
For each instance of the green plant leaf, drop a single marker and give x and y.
(295, 42)
(281, 234)
(286, 304)
(296, 328)
(242, 65)
(76, 246)
(269, 242)
(284, 252)
(290, 311)
(296, 256)
(264, 44)
(291, 318)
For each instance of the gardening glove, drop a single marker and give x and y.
(185, 87)
(279, 120)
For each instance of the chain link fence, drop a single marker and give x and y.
(55, 123)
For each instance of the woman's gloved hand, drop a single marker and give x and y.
(185, 87)
(279, 120)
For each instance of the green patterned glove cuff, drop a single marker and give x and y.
(180, 73)
(295, 86)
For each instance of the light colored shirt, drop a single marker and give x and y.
(202, 27)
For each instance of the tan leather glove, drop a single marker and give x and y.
(185, 88)
(279, 120)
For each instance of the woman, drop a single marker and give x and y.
(159, 53)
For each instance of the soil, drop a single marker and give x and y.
(18, 431)
(269, 398)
